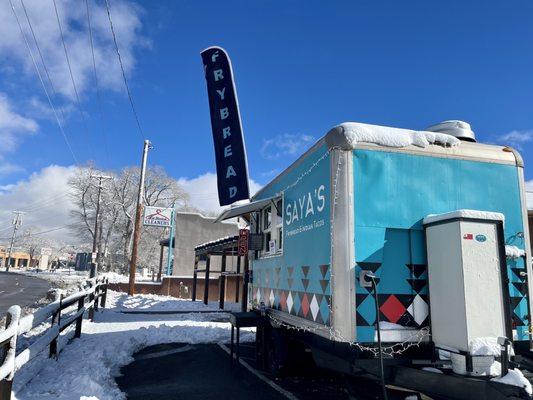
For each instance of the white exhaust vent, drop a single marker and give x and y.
(460, 129)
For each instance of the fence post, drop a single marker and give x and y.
(13, 315)
(91, 298)
(104, 295)
(96, 298)
(53, 343)
(77, 332)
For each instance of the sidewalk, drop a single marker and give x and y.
(87, 367)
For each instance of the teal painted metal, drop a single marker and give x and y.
(297, 281)
(393, 193)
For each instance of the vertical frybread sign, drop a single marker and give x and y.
(230, 153)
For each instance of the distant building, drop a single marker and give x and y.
(18, 258)
(193, 229)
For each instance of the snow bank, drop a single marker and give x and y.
(473, 214)
(514, 252)
(156, 303)
(86, 368)
(348, 134)
(515, 377)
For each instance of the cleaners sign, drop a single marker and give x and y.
(230, 153)
(157, 216)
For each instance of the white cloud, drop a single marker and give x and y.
(203, 191)
(529, 195)
(44, 196)
(516, 138)
(13, 127)
(127, 24)
(287, 144)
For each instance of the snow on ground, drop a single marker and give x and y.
(156, 303)
(86, 368)
(515, 377)
(115, 277)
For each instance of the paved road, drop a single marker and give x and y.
(20, 289)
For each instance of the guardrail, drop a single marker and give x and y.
(60, 314)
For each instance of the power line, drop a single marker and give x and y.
(99, 101)
(43, 232)
(78, 102)
(123, 72)
(42, 81)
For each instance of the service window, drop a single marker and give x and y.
(272, 228)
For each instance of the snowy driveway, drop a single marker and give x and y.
(86, 368)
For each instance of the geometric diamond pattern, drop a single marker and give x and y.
(419, 310)
(303, 291)
(314, 307)
(392, 308)
(289, 303)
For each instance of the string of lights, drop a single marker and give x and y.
(397, 348)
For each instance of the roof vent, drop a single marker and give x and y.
(460, 129)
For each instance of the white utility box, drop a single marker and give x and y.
(466, 283)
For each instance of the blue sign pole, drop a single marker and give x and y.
(170, 256)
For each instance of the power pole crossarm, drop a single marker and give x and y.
(138, 214)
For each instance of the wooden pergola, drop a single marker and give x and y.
(223, 247)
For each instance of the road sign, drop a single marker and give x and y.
(157, 216)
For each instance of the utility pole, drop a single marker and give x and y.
(138, 214)
(94, 264)
(17, 222)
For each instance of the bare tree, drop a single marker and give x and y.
(118, 211)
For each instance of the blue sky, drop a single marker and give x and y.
(300, 68)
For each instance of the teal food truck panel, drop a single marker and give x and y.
(297, 281)
(394, 191)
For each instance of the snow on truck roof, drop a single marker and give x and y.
(468, 214)
(349, 134)
(355, 135)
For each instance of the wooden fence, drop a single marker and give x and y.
(60, 314)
